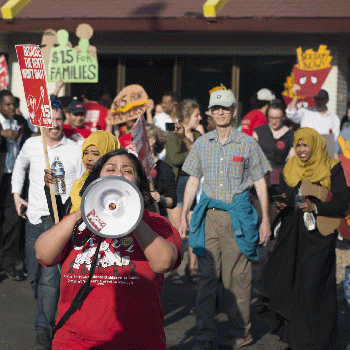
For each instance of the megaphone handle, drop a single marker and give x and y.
(74, 235)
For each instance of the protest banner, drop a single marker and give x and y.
(143, 148)
(73, 65)
(129, 104)
(4, 74)
(312, 70)
(34, 83)
(288, 94)
(33, 74)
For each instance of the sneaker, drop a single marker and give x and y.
(234, 342)
(203, 345)
(43, 341)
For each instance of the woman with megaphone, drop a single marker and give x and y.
(123, 293)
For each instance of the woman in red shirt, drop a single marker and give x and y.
(123, 308)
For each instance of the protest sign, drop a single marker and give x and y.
(129, 103)
(33, 74)
(4, 74)
(143, 148)
(288, 95)
(312, 70)
(34, 80)
(72, 65)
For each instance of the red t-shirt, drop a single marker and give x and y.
(78, 135)
(123, 310)
(125, 140)
(252, 120)
(95, 116)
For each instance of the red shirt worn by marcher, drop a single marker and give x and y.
(78, 135)
(123, 310)
(252, 120)
(125, 140)
(95, 116)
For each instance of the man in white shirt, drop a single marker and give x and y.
(170, 102)
(322, 120)
(45, 281)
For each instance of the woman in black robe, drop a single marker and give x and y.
(297, 286)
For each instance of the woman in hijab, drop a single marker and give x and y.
(297, 286)
(94, 147)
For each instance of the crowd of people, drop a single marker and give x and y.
(227, 190)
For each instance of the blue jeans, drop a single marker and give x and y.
(45, 281)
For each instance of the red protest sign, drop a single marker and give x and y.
(310, 81)
(4, 74)
(143, 148)
(34, 80)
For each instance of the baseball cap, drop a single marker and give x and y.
(265, 95)
(322, 95)
(224, 98)
(76, 107)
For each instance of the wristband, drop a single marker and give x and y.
(162, 201)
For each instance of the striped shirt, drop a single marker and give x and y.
(228, 168)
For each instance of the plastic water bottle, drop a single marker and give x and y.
(58, 174)
(299, 198)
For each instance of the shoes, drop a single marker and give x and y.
(43, 341)
(236, 342)
(203, 345)
(175, 279)
(192, 274)
(14, 274)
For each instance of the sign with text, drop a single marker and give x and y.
(4, 74)
(312, 70)
(72, 65)
(129, 103)
(34, 81)
(143, 148)
(288, 94)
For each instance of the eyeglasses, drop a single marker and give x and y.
(224, 111)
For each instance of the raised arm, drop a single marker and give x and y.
(50, 244)
(161, 254)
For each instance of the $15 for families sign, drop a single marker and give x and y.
(33, 73)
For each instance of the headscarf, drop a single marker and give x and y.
(317, 168)
(105, 142)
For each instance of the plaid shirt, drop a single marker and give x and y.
(228, 168)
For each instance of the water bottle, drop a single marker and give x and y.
(299, 198)
(58, 174)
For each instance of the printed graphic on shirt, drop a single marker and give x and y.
(114, 264)
(92, 117)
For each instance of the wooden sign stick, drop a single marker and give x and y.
(152, 190)
(52, 189)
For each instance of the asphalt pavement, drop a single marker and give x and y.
(18, 312)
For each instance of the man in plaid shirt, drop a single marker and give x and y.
(224, 229)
